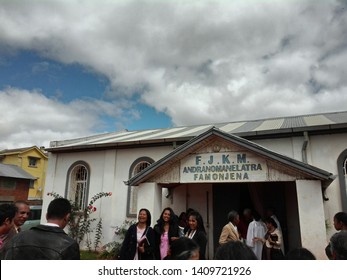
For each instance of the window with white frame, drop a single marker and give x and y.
(137, 166)
(78, 185)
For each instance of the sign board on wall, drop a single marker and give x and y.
(223, 167)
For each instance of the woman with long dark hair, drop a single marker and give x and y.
(139, 241)
(197, 232)
(165, 231)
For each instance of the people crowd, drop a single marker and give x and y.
(248, 237)
(183, 237)
(43, 242)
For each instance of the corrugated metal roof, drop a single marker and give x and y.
(23, 150)
(317, 120)
(271, 124)
(247, 126)
(294, 122)
(327, 121)
(231, 126)
(17, 150)
(13, 171)
(337, 117)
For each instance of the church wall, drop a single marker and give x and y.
(110, 169)
(311, 216)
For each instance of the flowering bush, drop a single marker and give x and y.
(121, 230)
(80, 223)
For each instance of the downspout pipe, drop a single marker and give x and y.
(304, 147)
(341, 162)
(304, 159)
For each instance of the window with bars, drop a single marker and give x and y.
(138, 165)
(78, 186)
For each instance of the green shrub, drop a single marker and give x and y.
(111, 250)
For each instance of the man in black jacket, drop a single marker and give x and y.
(47, 241)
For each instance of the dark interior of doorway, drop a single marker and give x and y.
(237, 196)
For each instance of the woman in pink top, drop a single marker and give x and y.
(166, 230)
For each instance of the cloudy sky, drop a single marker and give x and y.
(75, 68)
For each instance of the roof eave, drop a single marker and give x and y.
(160, 141)
(311, 170)
(128, 144)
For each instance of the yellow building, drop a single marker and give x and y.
(34, 161)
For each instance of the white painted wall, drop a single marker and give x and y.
(311, 216)
(110, 168)
(150, 198)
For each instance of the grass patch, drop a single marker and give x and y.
(86, 255)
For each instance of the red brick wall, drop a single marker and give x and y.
(19, 192)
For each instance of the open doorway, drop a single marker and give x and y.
(281, 196)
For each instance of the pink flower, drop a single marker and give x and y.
(94, 209)
(109, 193)
(90, 207)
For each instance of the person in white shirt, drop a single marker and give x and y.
(256, 229)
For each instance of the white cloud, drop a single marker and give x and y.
(30, 118)
(198, 61)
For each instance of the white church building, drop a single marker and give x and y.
(296, 165)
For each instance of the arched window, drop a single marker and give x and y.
(137, 166)
(342, 170)
(78, 184)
